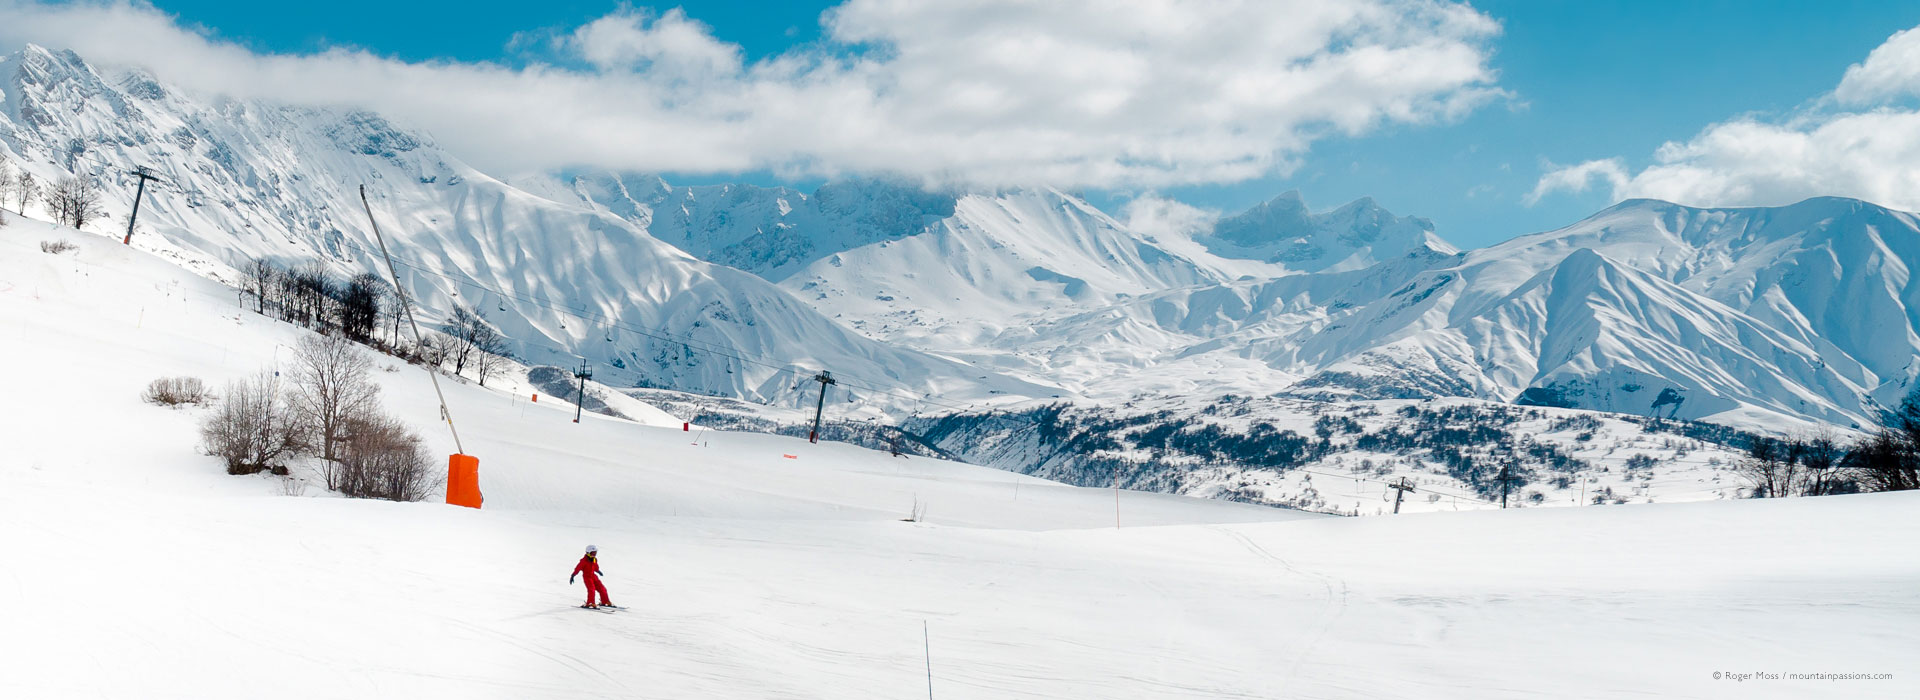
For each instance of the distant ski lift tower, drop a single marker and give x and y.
(825, 378)
(579, 399)
(1506, 480)
(144, 175)
(1403, 487)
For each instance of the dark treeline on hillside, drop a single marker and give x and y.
(1886, 459)
(1478, 444)
(365, 309)
(1094, 446)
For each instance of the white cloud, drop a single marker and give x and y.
(1892, 71)
(1164, 218)
(671, 44)
(1578, 178)
(1004, 92)
(1852, 143)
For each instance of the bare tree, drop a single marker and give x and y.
(311, 292)
(333, 384)
(258, 276)
(1820, 453)
(1888, 459)
(253, 428)
(1884, 461)
(74, 201)
(26, 188)
(490, 356)
(1772, 466)
(359, 307)
(468, 332)
(381, 458)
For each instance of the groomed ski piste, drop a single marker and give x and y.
(131, 566)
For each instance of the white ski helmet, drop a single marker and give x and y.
(591, 549)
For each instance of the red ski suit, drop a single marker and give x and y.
(589, 567)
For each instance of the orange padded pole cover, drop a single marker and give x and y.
(463, 481)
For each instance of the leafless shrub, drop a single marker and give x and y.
(380, 458)
(56, 247)
(252, 428)
(293, 486)
(918, 513)
(176, 391)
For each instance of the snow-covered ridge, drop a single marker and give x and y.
(1355, 236)
(1805, 311)
(1763, 317)
(1772, 318)
(563, 281)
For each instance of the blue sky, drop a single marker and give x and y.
(1582, 81)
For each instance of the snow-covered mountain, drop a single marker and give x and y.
(1038, 282)
(242, 178)
(1764, 317)
(1746, 316)
(944, 271)
(1734, 314)
(1284, 231)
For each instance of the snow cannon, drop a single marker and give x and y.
(463, 481)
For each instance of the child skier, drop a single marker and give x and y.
(590, 565)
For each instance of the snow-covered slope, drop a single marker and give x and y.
(1741, 315)
(1000, 263)
(562, 281)
(132, 567)
(945, 272)
(1344, 457)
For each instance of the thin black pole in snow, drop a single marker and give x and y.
(825, 378)
(1506, 483)
(927, 639)
(583, 374)
(137, 194)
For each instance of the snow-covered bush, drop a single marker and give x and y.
(252, 428)
(56, 247)
(176, 391)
